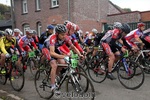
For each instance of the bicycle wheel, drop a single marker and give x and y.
(132, 79)
(33, 67)
(3, 78)
(42, 84)
(77, 87)
(17, 78)
(146, 64)
(98, 73)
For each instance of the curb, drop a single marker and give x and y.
(7, 96)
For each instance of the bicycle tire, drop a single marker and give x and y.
(76, 85)
(100, 74)
(136, 73)
(17, 78)
(3, 78)
(41, 81)
(33, 68)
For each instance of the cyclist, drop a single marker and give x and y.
(89, 41)
(72, 32)
(58, 50)
(146, 38)
(134, 36)
(110, 43)
(17, 34)
(25, 41)
(6, 43)
(86, 34)
(45, 35)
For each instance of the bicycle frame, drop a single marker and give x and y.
(142, 53)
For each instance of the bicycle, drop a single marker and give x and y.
(12, 72)
(42, 80)
(31, 61)
(143, 60)
(127, 71)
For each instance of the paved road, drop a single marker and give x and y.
(108, 90)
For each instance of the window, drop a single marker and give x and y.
(25, 27)
(24, 6)
(54, 3)
(39, 28)
(38, 6)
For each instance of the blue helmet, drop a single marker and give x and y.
(50, 27)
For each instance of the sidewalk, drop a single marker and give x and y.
(6, 96)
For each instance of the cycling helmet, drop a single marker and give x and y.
(86, 32)
(8, 31)
(76, 27)
(125, 28)
(65, 22)
(94, 31)
(29, 32)
(17, 30)
(117, 25)
(60, 28)
(140, 25)
(50, 27)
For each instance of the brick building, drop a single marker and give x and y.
(37, 14)
(88, 14)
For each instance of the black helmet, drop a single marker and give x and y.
(60, 28)
(125, 28)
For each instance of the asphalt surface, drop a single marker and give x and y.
(108, 90)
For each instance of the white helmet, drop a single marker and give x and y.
(94, 31)
(117, 25)
(17, 30)
(8, 31)
(86, 32)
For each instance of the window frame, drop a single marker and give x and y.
(39, 28)
(37, 5)
(24, 7)
(52, 3)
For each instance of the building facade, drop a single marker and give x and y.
(37, 14)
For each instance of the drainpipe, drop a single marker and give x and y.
(12, 14)
(69, 10)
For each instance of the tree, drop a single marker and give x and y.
(3, 9)
(127, 9)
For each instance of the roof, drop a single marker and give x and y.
(5, 23)
(117, 7)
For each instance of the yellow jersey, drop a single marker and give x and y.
(6, 44)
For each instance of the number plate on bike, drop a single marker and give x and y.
(31, 54)
(14, 58)
(74, 63)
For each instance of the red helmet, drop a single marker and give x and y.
(140, 25)
(76, 27)
(69, 25)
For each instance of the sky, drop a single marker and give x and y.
(134, 5)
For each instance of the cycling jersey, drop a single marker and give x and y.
(89, 39)
(75, 42)
(6, 44)
(130, 38)
(109, 41)
(60, 45)
(146, 38)
(17, 37)
(42, 38)
(24, 43)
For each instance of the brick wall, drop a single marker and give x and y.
(124, 17)
(145, 16)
